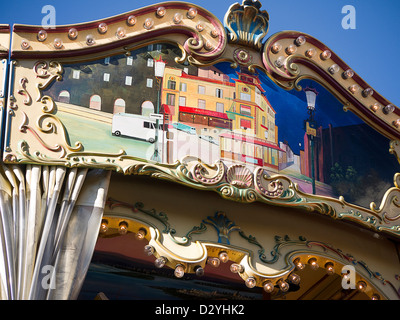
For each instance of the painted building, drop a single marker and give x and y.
(237, 108)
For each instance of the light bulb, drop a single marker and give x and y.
(300, 40)
(160, 262)
(141, 234)
(72, 33)
(42, 35)
(325, 55)
(396, 123)
(200, 26)
(388, 109)
(375, 107)
(250, 282)
(58, 44)
(283, 285)
(214, 33)
(353, 88)
(161, 12)
(25, 45)
(310, 52)
(299, 265)
(268, 286)
(276, 47)
(148, 23)
(192, 12)
(280, 61)
(313, 263)
(123, 227)
(149, 250)
(215, 262)
(367, 92)
(329, 268)
(208, 45)
(121, 32)
(102, 28)
(361, 285)
(236, 268)
(333, 68)
(294, 278)
(199, 271)
(131, 21)
(90, 40)
(223, 256)
(348, 74)
(375, 297)
(104, 226)
(291, 49)
(178, 17)
(179, 271)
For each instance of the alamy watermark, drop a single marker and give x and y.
(49, 279)
(49, 20)
(349, 277)
(349, 20)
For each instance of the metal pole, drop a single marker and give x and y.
(156, 156)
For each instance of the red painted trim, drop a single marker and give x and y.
(262, 126)
(209, 113)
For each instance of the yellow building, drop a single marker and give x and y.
(239, 110)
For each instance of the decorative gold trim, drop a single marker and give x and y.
(291, 251)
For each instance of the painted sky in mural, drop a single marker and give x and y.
(159, 110)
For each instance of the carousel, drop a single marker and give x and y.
(164, 154)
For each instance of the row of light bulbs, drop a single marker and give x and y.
(223, 257)
(330, 270)
(347, 74)
(121, 31)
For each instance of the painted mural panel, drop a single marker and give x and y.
(156, 109)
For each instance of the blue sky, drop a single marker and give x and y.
(370, 49)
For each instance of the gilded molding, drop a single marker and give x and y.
(292, 56)
(286, 250)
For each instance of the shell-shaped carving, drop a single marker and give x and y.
(239, 176)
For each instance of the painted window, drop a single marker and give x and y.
(107, 60)
(218, 93)
(170, 99)
(119, 105)
(76, 74)
(183, 86)
(245, 124)
(220, 107)
(128, 80)
(150, 62)
(95, 102)
(64, 96)
(171, 84)
(129, 60)
(149, 83)
(106, 77)
(202, 90)
(201, 104)
(182, 101)
(147, 108)
(245, 96)
(245, 110)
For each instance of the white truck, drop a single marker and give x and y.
(138, 127)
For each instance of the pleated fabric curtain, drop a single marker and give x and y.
(49, 222)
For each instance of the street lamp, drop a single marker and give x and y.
(310, 126)
(159, 67)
